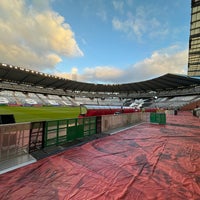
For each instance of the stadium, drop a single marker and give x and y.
(117, 141)
(23, 87)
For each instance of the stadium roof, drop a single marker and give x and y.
(20, 75)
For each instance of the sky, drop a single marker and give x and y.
(96, 41)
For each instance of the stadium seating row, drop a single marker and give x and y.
(35, 99)
(8, 97)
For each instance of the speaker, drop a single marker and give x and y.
(7, 119)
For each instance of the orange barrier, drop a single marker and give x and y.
(146, 162)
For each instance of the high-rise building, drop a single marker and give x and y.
(194, 43)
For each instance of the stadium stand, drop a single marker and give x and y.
(32, 99)
(155, 156)
(174, 103)
(20, 86)
(4, 100)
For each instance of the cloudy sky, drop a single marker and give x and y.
(98, 41)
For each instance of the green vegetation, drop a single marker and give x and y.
(30, 114)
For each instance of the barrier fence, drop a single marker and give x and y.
(36, 138)
(23, 138)
(14, 140)
(110, 122)
(61, 131)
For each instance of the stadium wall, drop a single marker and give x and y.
(110, 122)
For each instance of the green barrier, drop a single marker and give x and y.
(158, 118)
(153, 117)
(162, 118)
(62, 131)
(75, 132)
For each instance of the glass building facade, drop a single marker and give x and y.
(194, 43)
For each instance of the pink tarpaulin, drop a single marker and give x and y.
(146, 162)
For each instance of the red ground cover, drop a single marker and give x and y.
(146, 162)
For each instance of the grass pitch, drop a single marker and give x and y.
(31, 114)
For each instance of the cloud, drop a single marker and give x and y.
(168, 60)
(34, 36)
(129, 2)
(74, 70)
(101, 74)
(161, 62)
(119, 6)
(41, 5)
(72, 75)
(102, 14)
(130, 26)
(141, 24)
(63, 75)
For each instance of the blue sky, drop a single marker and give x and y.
(98, 41)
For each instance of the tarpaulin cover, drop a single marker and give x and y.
(146, 162)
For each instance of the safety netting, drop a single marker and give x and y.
(145, 162)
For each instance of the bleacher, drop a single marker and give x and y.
(8, 97)
(176, 102)
(173, 103)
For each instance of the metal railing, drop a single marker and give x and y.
(14, 140)
(62, 131)
(23, 138)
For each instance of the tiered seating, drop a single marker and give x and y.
(183, 98)
(85, 100)
(4, 101)
(26, 100)
(7, 98)
(173, 103)
(55, 100)
(43, 98)
(67, 101)
(138, 103)
(34, 99)
(20, 97)
(110, 101)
